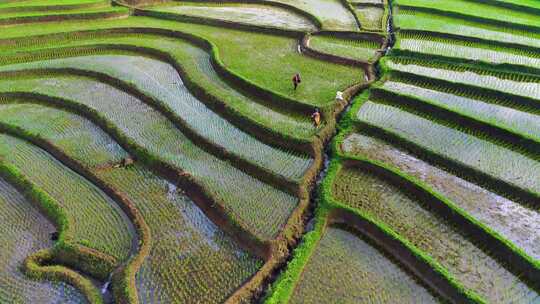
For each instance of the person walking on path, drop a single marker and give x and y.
(296, 80)
(316, 117)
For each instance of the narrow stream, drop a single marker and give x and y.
(106, 291)
(310, 221)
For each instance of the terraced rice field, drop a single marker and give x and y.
(26, 231)
(357, 49)
(331, 14)
(457, 49)
(158, 152)
(518, 121)
(180, 224)
(502, 162)
(264, 15)
(507, 217)
(96, 220)
(464, 259)
(526, 87)
(342, 260)
(371, 17)
(150, 130)
(475, 9)
(427, 22)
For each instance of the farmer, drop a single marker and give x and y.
(296, 80)
(339, 95)
(316, 117)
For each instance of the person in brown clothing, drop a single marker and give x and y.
(316, 117)
(296, 80)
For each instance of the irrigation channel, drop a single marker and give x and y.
(309, 221)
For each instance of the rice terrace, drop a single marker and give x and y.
(269, 151)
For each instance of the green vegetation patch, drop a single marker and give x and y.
(65, 129)
(371, 17)
(75, 14)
